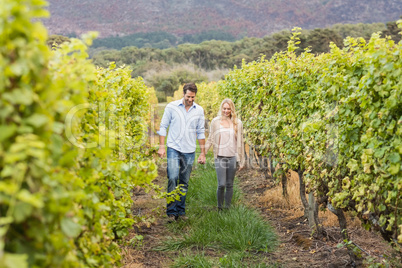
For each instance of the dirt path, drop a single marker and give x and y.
(153, 231)
(297, 248)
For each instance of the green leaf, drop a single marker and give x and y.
(391, 102)
(22, 211)
(68, 159)
(37, 120)
(340, 245)
(40, 13)
(19, 96)
(5, 187)
(394, 158)
(18, 68)
(382, 207)
(70, 228)
(25, 129)
(353, 165)
(14, 260)
(6, 220)
(25, 196)
(379, 153)
(7, 131)
(394, 169)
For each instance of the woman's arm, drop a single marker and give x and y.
(241, 136)
(210, 142)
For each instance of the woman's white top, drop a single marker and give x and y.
(227, 142)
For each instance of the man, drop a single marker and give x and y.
(185, 120)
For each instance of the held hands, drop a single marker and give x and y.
(201, 159)
(162, 151)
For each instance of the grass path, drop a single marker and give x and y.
(238, 237)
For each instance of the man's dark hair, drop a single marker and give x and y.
(189, 86)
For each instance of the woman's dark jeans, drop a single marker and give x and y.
(225, 172)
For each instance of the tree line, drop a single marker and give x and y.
(214, 54)
(165, 69)
(160, 39)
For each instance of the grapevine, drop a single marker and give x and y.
(334, 117)
(72, 147)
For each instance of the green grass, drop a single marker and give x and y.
(202, 189)
(229, 260)
(237, 235)
(190, 260)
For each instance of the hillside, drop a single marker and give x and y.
(239, 17)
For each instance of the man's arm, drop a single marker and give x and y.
(162, 151)
(163, 131)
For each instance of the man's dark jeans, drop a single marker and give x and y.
(179, 167)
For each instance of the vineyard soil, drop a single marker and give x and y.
(297, 247)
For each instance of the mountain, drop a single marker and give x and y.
(253, 18)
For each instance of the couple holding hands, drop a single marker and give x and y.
(185, 120)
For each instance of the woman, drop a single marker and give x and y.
(226, 136)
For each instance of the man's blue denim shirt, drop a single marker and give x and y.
(184, 127)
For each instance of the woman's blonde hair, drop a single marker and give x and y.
(233, 116)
